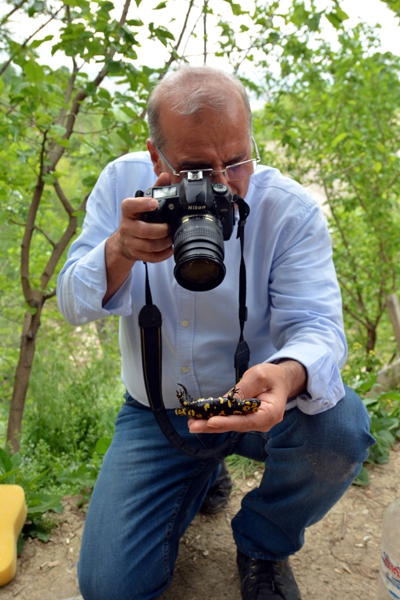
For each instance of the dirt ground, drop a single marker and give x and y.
(338, 562)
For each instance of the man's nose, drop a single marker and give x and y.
(220, 178)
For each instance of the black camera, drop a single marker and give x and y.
(201, 215)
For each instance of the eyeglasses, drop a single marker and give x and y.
(234, 172)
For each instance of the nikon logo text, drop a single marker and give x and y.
(196, 207)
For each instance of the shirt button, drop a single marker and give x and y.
(185, 369)
(185, 323)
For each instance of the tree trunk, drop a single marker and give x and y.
(22, 375)
(370, 344)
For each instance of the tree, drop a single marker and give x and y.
(336, 116)
(45, 111)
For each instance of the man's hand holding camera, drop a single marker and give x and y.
(136, 240)
(272, 384)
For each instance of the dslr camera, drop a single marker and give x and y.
(201, 215)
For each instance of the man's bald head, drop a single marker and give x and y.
(191, 90)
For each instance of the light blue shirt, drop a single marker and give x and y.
(293, 298)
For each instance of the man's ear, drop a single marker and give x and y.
(155, 158)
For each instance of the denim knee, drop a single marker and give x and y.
(339, 438)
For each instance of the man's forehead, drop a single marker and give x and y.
(207, 114)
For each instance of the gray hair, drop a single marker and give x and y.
(188, 91)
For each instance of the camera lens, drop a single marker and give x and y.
(199, 253)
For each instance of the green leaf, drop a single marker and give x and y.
(314, 21)
(102, 445)
(37, 43)
(392, 395)
(58, 129)
(33, 71)
(125, 135)
(115, 66)
(394, 5)
(42, 502)
(236, 8)
(5, 461)
(334, 19)
(362, 478)
(42, 118)
(365, 385)
(8, 477)
(341, 14)
(37, 530)
(20, 544)
(36, 7)
(384, 425)
(89, 182)
(339, 138)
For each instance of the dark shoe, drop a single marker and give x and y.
(218, 495)
(266, 579)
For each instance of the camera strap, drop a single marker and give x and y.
(242, 354)
(150, 322)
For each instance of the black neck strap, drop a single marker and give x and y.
(242, 354)
(151, 343)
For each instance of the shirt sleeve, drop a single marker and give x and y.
(306, 310)
(82, 282)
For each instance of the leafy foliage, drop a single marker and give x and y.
(70, 415)
(336, 115)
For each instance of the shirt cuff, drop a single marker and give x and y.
(90, 286)
(324, 382)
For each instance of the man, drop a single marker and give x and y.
(311, 432)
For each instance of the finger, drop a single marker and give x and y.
(148, 245)
(133, 208)
(146, 231)
(239, 423)
(164, 179)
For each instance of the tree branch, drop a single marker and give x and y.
(82, 95)
(29, 296)
(62, 197)
(7, 16)
(28, 39)
(205, 31)
(61, 245)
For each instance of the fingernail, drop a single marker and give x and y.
(152, 204)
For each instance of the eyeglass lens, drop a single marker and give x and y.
(240, 171)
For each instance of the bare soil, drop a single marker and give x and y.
(339, 561)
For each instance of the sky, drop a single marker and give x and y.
(371, 11)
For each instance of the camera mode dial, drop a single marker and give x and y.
(220, 188)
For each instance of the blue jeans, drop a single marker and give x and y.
(148, 493)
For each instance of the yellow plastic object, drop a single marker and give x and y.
(12, 518)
